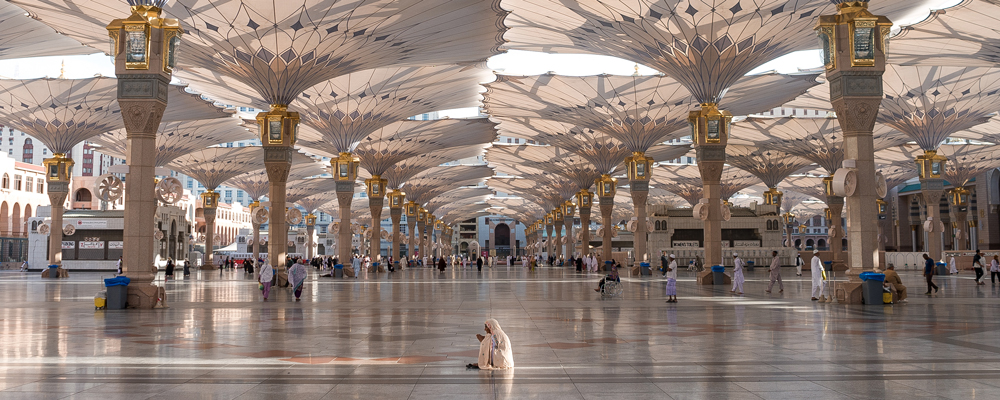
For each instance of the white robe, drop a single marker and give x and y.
(954, 267)
(816, 269)
(495, 351)
(738, 275)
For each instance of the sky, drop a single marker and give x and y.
(512, 63)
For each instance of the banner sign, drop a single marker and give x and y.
(68, 245)
(116, 245)
(91, 245)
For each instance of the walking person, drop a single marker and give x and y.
(24, 266)
(479, 264)
(187, 268)
(775, 273)
(818, 276)
(663, 263)
(798, 264)
(994, 269)
(670, 272)
(977, 265)
(119, 265)
(170, 270)
(929, 273)
(953, 266)
(297, 276)
(356, 265)
(265, 277)
(737, 274)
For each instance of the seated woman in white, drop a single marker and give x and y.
(494, 349)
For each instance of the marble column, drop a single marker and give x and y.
(493, 237)
(345, 194)
(422, 237)
(57, 198)
(570, 241)
(962, 235)
(710, 163)
(411, 243)
(548, 240)
(607, 205)
(278, 163)
(584, 229)
(256, 242)
(376, 225)
(835, 230)
(395, 214)
(640, 192)
(932, 189)
(310, 231)
(557, 243)
(209, 213)
(789, 240)
(513, 239)
(856, 95)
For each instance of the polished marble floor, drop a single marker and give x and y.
(409, 335)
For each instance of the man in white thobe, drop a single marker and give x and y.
(737, 274)
(816, 269)
(954, 267)
(775, 270)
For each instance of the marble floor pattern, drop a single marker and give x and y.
(409, 336)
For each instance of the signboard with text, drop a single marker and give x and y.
(91, 245)
(685, 243)
(68, 245)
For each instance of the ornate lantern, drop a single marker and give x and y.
(375, 186)
(209, 199)
(883, 208)
(548, 219)
(606, 186)
(709, 125)
(557, 214)
(278, 127)
(828, 186)
(568, 209)
(412, 209)
(310, 219)
(827, 214)
(396, 199)
(421, 215)
(345, 168)
(960, 199)
(773, 197)
(788, 217)
(584, 199)
(930, 165)
(136, 34)
(867, 34)
(639, 166)
(59, 168)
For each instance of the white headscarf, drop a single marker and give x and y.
(496, 347)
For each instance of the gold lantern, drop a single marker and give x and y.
(411, 209)
(548, 219)
(568, 209)
(867, 34)
(59, 168)
(421, 214)
(278, 127)
(143, 29)
(396, 199)
(773, 197)
(209, 199)
(930, 165)
(828, 186)
(883, 208)
(310, 219)
(788, 217)
(375, 186)
(639, 166)
(345, 167)
(828, 214)
(709, 125)
(584, 199)
(557, 214)
(606, 186)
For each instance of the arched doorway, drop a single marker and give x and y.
(502, 235)
(463, 248)
(15, 219)
(809, 243)
(27, 215)
(4, 219)
(821, 243)
(172, 245)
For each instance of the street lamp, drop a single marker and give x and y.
(930, 165)
(773, 197)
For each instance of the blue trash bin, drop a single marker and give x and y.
(644, 269)
(942, 268)
(53, 271)
(117, 292)
(608, 265)
(871, 287)
(338, 271)
(718, 275)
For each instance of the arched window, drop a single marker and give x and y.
(83, 195)
(6, 181)
(769, 225)
(656, 225)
